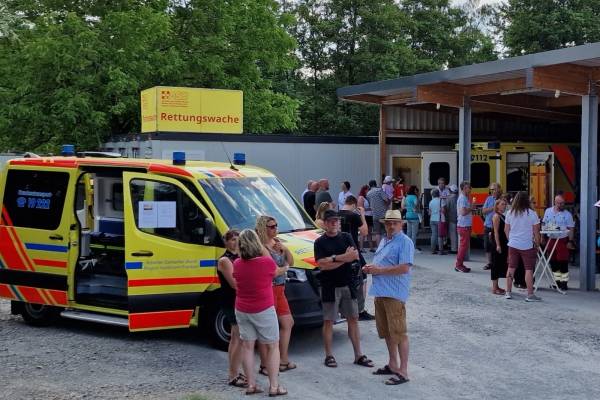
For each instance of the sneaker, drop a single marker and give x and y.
(434, 252)
(487, 267)
(418, 251)
(462, 268)
(365, 316)
(532, 298)
(508, 295)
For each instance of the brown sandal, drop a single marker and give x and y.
(363, 361)
(263, 370)
(287, 366)
(330, 362)
(239, 381)
(253, 390)
(277, 392)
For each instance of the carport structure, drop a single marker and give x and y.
(561, 86)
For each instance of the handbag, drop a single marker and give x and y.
(443, 225)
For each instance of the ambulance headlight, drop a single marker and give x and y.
(296, 275)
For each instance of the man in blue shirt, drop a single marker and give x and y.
(488, 213)
(391, 270)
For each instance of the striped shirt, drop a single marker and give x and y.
(378, 200)
(395, 251)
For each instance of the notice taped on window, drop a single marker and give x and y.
(157, 214)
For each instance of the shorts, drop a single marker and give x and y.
(369, 221)
(378, 228)
(529, 258)
(230, 315)
(390, 318)
(281, 304)
(344, 303)
(262, 326)
(487, 243)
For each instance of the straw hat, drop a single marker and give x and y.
(392, 215)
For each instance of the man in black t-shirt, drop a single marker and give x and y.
(352, 220)
(309, 199)
(335, 252)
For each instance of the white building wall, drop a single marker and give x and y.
(293, 163)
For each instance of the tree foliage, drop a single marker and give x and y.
(530, 26)
(76, 71)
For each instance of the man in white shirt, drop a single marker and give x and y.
(343, 195)
(557, 216)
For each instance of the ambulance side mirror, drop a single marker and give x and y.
(210, 231)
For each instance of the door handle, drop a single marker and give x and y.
(55, 237)
(142, 253)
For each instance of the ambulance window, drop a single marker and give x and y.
(35, 199)
(117, 196)
(480, 175)
(184, 223)
(438, 170)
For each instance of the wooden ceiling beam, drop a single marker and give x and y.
(496, 87)
(568, 78)
(364, 98)
(401, 98)
(447, 94)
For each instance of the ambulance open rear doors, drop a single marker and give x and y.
(38, 239)
(170, 251)
(435, 165)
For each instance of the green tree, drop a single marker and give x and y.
(77, 72)
(530, 26)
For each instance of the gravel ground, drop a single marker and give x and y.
(465, 344)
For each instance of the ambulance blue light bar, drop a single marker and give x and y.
(67, 150)
(178, 158)
(239, 158)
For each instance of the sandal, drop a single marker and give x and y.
(330, 362)
(278, 392)
(384, 371)
(287, 366)
(397, 379)
(263, 370)
(363, 361)
(499, 291)
(239, 381)
(253, 390)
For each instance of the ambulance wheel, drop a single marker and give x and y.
(39, 314)
(219, 330)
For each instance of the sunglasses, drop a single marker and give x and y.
(272, 226)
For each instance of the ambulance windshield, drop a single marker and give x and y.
(241, 200)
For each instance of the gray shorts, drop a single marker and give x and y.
(378, 228)
(262, 326)
(344, 304)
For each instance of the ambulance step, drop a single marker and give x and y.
(94, 317)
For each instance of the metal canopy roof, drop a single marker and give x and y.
(586, 56)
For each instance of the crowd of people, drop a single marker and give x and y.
(254, 267)
(450, 212)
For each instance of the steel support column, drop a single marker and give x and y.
(588, 191)
(464, 141)
(382, 142)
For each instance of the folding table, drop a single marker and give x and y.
(543, 271)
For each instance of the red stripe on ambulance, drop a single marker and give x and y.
(160, 319)
(173, 281)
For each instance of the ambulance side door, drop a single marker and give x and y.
(35, 233)
(170, 251)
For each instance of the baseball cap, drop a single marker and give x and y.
(328, 214)
(388, 179)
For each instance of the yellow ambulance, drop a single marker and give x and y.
(135, 242)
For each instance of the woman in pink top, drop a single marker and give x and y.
(255, 309)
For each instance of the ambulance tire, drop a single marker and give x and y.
(218, 329)
(38, 314)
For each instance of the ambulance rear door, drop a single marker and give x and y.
(435, 165)
(38, 241)
(170, 251)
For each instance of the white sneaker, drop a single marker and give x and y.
(418, 251)
(532, 298)
(507, 295)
